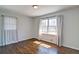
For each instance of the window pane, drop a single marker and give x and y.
(52, 26)
(52, 30)
(48, 26)
(44, 29)
(44, 22)
(43, 26)
(52, 22)
(9, 23)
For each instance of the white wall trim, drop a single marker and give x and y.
(16, 41)
(76, 48)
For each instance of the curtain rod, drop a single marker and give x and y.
(46, 17)
(9, 16)
(49, 16)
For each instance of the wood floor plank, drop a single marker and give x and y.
(30, 47)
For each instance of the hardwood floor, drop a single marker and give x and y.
(34, 46)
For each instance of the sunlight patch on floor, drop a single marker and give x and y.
(45, 45)
(37, 42)
(42, 44)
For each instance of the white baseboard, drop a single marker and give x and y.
(15, 42)
(71, 47)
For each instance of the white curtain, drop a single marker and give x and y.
(9, 30)
(60, 29)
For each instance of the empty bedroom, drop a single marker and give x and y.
(39, 29)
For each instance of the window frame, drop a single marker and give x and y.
(10, 24)
(48, 25)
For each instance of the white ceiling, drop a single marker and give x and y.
(30, 11)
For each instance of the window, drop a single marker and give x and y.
(48, 26)
(9, 23)
(9, 30)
